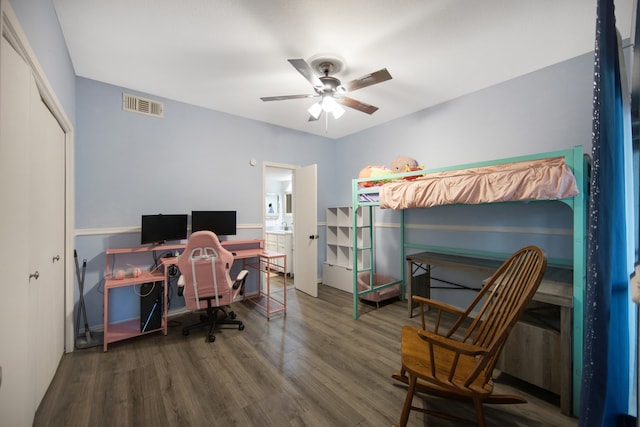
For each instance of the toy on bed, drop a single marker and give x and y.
(379, 174)
(376, 173)
(406, 164)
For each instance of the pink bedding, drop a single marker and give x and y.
(546, 179)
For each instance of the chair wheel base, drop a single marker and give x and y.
(215, 319)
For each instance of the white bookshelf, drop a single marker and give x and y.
(337, 270)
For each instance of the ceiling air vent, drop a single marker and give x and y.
(141, 105)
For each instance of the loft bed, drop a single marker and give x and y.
(558, 175)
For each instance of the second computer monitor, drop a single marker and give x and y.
(223, 223)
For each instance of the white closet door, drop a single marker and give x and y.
(16, 399)
(46, 241)
(32, 224)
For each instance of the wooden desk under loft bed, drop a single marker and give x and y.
(251, 252)
(540, 339)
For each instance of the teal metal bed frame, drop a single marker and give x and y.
(579, 164)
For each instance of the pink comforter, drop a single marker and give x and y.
(546, 179)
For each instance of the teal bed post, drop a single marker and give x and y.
(403, 272)
(354, 237)
(579, 271)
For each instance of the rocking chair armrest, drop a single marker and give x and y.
(440, 308)
(438, 305)
(452, 345)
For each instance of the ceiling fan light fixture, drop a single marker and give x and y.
(328, 103)
(315, 110)
(338, 111)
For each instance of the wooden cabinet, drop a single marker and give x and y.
(533, 350)
(539, 348)
(337, 270)
(283, 243)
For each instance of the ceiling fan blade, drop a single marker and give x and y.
(313, 119)
(357, 105)
(283, 97)
(306, 70)
(368, 80)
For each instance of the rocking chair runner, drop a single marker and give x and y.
(458, 364)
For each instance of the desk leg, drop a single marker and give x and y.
(268, 273)
(566, 347)
(105, 320)
(284, 283)
(165, 297)
(418, 284)
(410, 288)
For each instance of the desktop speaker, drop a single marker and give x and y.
(150, 306)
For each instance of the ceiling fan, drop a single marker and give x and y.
(331, 91)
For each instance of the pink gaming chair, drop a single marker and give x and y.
(206, 284)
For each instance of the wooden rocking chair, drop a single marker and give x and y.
(458, 363)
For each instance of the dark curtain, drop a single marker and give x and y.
(608, 352)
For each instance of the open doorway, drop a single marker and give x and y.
(292, 222)
(278, 216)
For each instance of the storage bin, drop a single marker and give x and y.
(378, 279)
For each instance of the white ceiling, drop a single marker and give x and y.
(226, 54)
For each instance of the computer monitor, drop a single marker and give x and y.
(223, 223)
(158, 229)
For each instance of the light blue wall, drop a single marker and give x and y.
(40, 24)
(128, 164)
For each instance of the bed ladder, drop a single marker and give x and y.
(363, 249)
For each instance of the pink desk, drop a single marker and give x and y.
(251, 252)
(122, 330)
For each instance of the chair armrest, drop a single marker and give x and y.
(180, 285)
(452, 345)
(440, 307)
(240, 279)
(437, 304)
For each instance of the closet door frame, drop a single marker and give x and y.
(12, 31)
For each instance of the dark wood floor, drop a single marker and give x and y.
(316, 366)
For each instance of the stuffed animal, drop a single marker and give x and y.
(405, 164)
(401, 163)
